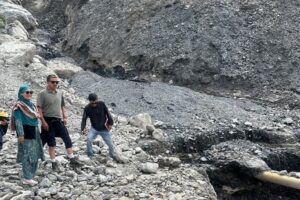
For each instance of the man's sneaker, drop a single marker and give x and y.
(75, 163)
(54, 166)
(29, 182)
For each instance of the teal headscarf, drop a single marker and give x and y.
(18, 114)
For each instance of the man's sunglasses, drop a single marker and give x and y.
(29, 92)
(54, 82)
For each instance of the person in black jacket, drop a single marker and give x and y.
(101, 124)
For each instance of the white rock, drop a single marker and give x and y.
(61, 160)
(149, 167)
(44, 193)
(61, 195)
(288, 121)
(17, 52)
(102, 179)
(141, 120)
(248, 124)
(24, 195)
(14, 12)
(64, 67)
(158, 135)
(45, 183)
(138, 150)
(122, 120)
(52, 190)
(17, 30)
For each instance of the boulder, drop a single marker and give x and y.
(141, 120)
(212, 45)
(149, 168)
(158, 135)
(64, 67)
(17, 53)
(169, 162)
(13, 12)
(17, 30)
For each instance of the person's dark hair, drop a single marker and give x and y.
(51, 76)
(92, 97)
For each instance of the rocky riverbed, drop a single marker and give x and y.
(176, 143)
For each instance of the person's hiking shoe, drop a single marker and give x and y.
(29, 182)
(54, 166)
(75, 163)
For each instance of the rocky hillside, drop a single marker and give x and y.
(143, 176)
(177, 143)
(247, 47)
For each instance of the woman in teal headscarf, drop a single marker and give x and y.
(25, 120)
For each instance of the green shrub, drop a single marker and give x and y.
(2, 22)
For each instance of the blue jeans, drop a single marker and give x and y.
(105, 136)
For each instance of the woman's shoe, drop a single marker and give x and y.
(29, 182)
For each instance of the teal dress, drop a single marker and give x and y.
(31, 150)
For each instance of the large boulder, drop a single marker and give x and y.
(17, 53)
(17, 30)
(64, 67)
(14, 12)
(202, 44)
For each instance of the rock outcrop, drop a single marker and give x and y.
(214, 46)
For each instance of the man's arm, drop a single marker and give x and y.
(63, 110)
(40, 104)
(44, 123)
(83, 121)
(110, 120)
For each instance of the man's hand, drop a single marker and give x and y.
(84, 131)
(45, 126)
(65, 120)
(109, 127)
(21, 139)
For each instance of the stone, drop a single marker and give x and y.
(248, 124)
(38, 198)
(13, 12)
(64, 67)
(17, 53)
(83, 197)
(24, 195)
(43, 193)
(288, 121)
(102, 179)
(17, 30)
(159, 135)
(45, 183)
(150, 129)
(61, 195)
(203, 159)
(138, 150)
(169, 162)
(141, 120)
(52, 190)
(61, 160)
(148, 167)
(84, 159)
(122, 120)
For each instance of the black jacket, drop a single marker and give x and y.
(99, 116)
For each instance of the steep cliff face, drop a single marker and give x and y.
(215, 45)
